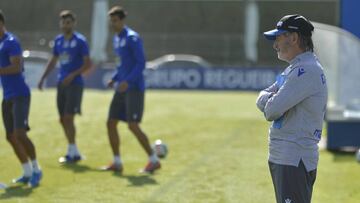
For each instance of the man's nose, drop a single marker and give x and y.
(275, 45)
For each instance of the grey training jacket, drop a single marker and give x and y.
(296, 103)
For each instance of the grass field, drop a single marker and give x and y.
(218, 153)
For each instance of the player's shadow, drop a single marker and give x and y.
(16, 191)
(76, 168)
(138, 181)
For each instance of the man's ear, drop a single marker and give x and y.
(294, 38)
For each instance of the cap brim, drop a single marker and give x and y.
(271, 35)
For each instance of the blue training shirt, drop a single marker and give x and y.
(14, 84)
(71, 55)
(130, 59)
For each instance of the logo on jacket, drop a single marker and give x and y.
(301, 71)
(323, 79)
(280, 80)
(317, 134)
(1, 45)
(288, 200)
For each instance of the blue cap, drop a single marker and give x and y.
(291, 23)
(271, 34)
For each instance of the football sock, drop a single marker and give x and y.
(27, 169)
(69, 150)
(153, 158)
(35, 165)
(73, 150)
(117, 160)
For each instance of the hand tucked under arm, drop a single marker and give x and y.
(262, 99)
(265, 95)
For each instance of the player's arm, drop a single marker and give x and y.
(295, 89)
(137, 49)
(16, 60)
(265, 95)
(49, 67)
(113, 79)
(15, 66)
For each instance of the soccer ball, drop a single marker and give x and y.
(358, 155)
(160, 148)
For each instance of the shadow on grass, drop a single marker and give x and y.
(137, 181)
(16, 191)
(76, 167)
(343, 156)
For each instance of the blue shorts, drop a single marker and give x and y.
(69, 99)
(15, 113)
(128, 106)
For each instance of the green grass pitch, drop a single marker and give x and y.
(217, 153)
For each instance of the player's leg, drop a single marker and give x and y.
(141, 137)
(113, 135)
(134, 112)
(22, 157)
(21, 114)
(67, 122)
(60, 102)
(69, 104)
(29, 149)
(18, 149)
(31, 153)
(8, 120)
(73, 154)
(26, 143)
(116, 112)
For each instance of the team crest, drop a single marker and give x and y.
(66, 44)
(73, 43)
(64, 58)
(122, 42)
